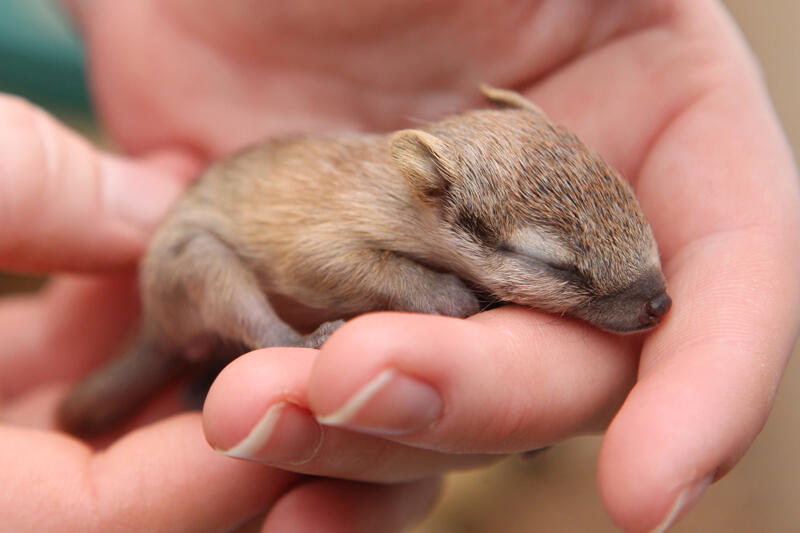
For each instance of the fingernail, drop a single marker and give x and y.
(391, 404)
(286, 433)
(685, 500)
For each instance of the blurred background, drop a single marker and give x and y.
(41, 58)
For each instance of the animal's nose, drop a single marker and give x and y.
(655, 309)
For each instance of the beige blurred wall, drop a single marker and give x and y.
(556, 492)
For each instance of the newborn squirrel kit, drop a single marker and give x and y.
(499, 201)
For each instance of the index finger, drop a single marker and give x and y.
(722, 189)
(507, 380)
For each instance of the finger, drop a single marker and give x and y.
(327, 506)
(709, 375)
(63, 331)
(504, 381)
(257, 410)
(630, 100)
(66, 206)
(706, 386)
(163, 477)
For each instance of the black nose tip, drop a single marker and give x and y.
(656, 308)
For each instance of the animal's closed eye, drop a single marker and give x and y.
(538, 245)
(531, 257)
(563, 270)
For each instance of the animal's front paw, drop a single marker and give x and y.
(452, 298)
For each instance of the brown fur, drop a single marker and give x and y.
(500, 198)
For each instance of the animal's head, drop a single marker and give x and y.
(534, 216)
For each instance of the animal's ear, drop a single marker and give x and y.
(425, 161)
(512, 99)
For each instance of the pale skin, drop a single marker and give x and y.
(671, 98)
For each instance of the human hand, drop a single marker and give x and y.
(665, 91)
(68, 208)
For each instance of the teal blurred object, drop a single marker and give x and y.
(41, 56)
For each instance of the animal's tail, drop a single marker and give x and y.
(111, 393)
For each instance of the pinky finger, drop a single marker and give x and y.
(333, 506)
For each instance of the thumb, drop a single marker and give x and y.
(65, 205)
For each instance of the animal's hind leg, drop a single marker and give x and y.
(316, 338)
(194, 289)
(226, 299)
(200, 275)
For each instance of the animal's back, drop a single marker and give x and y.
(292, 209)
